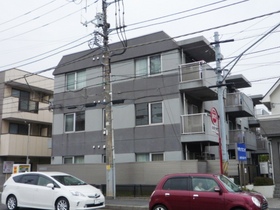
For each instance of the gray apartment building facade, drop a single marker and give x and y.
(161, 102)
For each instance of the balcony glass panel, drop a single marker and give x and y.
(193, 123)
(191, 71)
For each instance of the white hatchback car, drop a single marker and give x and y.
(50, 190)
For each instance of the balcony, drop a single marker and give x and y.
(22, 145)
(195, 80)
(11, 111)
(198, 128)
(239, 105)
(240, 136)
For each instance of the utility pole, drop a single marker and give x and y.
(110, 166)
(221, 112)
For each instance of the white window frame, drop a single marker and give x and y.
(148, 156)
(148, 66)
(77, 84)
(74, 159)
(74, 122)
(150, 114)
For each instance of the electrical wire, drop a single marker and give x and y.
(27, 13)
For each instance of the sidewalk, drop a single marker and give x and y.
(143, 203)
(128, 203)
(273, 203)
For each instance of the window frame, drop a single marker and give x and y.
(18, 128)
(148, 157)
(74, 159)
(76, 83)
(169, 183)
(149, 114)
(25, 104)
(74, 122)
(148, 65)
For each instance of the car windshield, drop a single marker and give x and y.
(230, 185)
(68, 180)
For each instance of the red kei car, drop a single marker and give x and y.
(203, 191)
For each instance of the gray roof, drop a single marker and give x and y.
(197, 48)
(137, 47)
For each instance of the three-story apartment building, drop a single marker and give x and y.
(162, 94)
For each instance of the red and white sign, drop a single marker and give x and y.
(215, 120)
(214, 116)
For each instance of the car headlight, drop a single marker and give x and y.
(76, 193)
(256, 201)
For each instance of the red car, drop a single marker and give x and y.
(203, 191)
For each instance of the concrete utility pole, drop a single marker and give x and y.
(221, 112)
(110, 166)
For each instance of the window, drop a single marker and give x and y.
(18, 129)
(25, 104)
(29, 179)
(157, 157)
(176, 183)
(146, 157)
(76, 80)
(73, 160)
(43, 181)
(75, 122)
(148, 65)
(204, 184)
(148, 113)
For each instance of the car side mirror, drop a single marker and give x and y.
(50, 185)
(217, 189)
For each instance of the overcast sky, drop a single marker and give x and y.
(45, 30)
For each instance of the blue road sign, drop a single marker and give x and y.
(241, 152)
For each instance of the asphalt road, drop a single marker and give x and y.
(3, 207)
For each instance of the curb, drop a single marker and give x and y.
(122, 207)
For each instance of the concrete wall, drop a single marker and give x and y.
(147, 173)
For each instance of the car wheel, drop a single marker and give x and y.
(62, 204)
(160, 207)
(11, 202)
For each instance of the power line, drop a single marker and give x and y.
(27, 13)
(33, 19)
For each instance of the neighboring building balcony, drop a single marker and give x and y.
(24, 145)
(253, 122)
(262, 146)
(239, 105)
(240, 136)
(195, 79)
(33, 111)
(198, 128)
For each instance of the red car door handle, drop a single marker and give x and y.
(195, 196)
(167, 194)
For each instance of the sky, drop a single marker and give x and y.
(34, 35)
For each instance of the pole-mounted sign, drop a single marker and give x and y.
(215, 120)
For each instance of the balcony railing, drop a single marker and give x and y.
(194, 76)
(198, 128)
(191, 71)
(12, 144)
(239, 104)
(240, 136)
(193, 123)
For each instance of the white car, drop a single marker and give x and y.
(50, 190)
